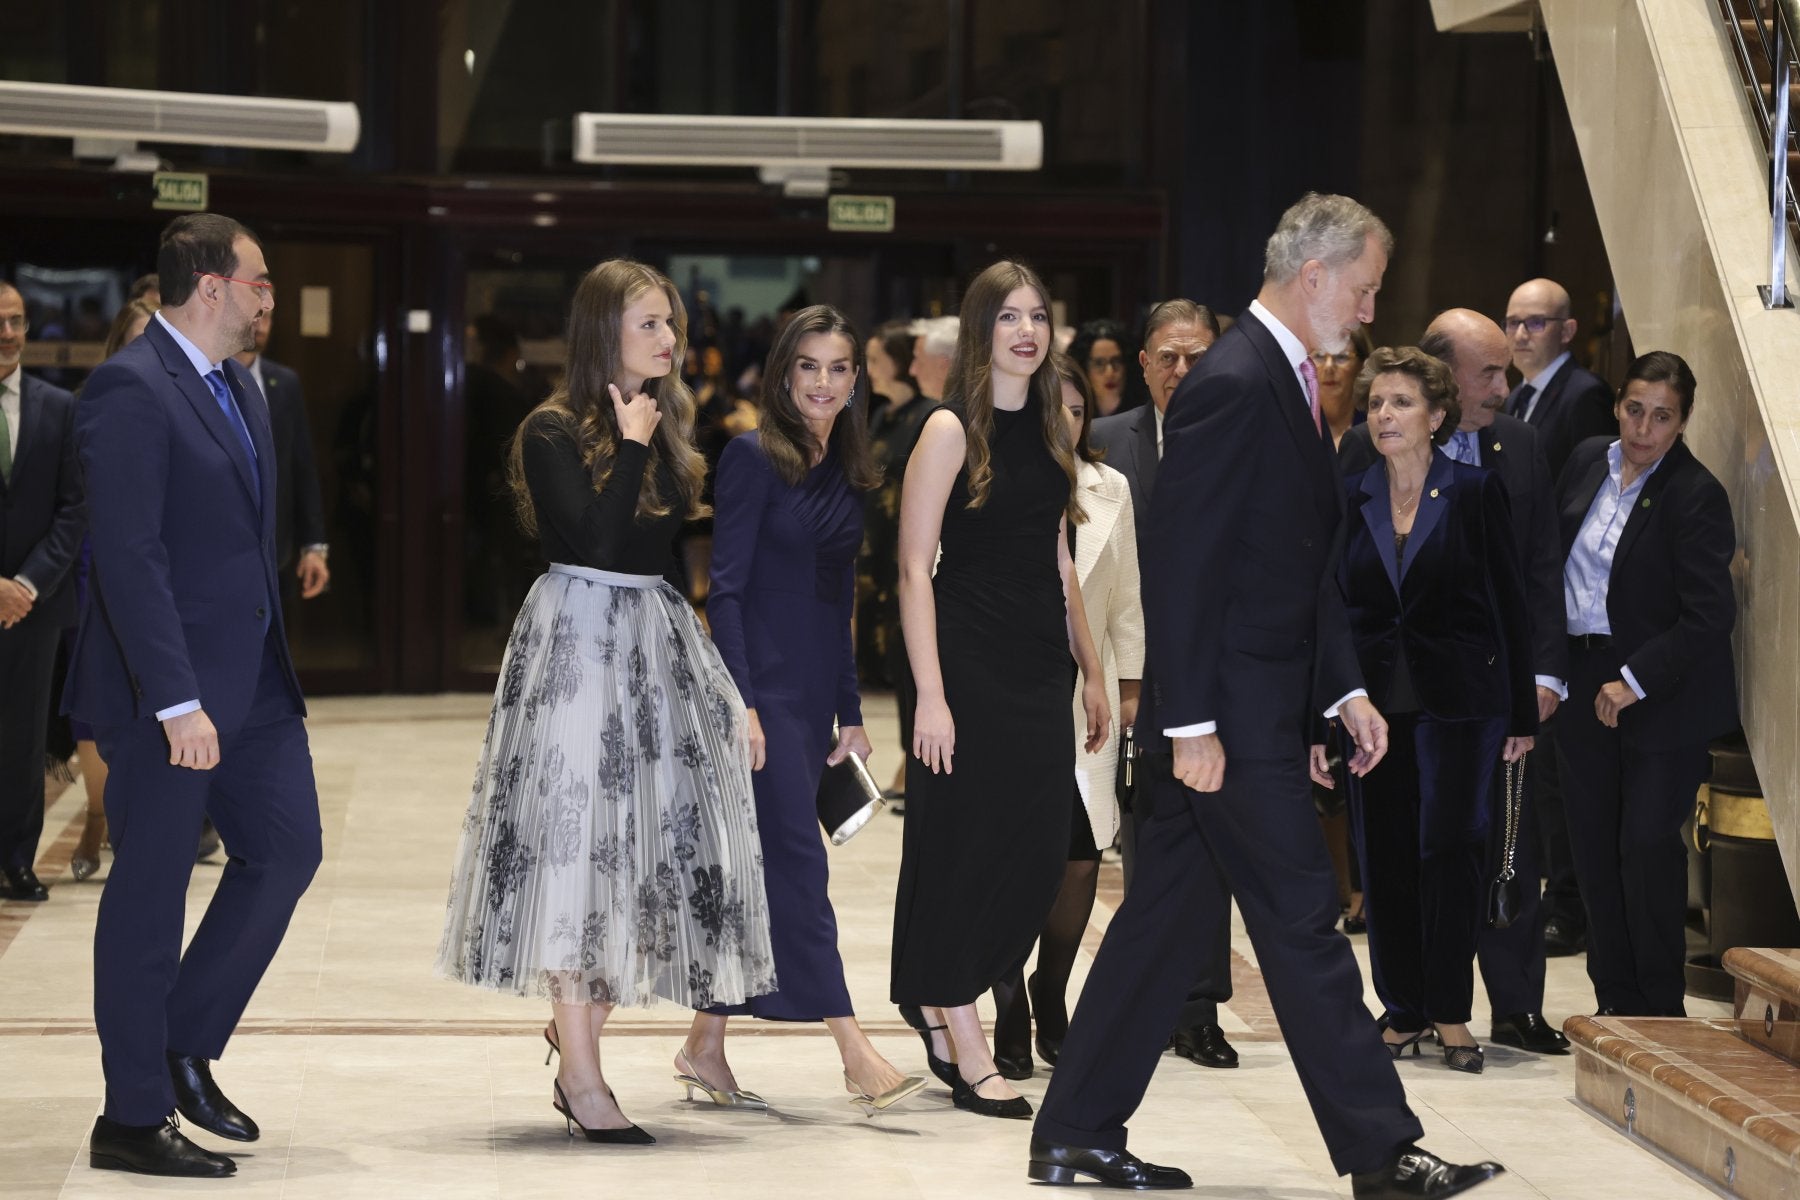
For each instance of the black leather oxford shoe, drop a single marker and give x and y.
(1562, 938)
(152, 1150)
(22, 883)
(199, 1099)
(1415, 1172)
(1529, 1031)
(1205, 1045)
(1051, 1163)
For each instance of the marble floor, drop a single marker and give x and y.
(370, 1077)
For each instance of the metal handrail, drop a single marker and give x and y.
(1774, 47)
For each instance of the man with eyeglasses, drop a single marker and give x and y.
(1176, 334)
(41, 520)
(182, 668)
(1563, 401)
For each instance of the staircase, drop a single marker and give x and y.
(1723, 1096)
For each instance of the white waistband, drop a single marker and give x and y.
(612, 578)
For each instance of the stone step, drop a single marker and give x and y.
(1768, 998)
(1699, 1093)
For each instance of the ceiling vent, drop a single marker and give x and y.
(790, 149)
(99, 115)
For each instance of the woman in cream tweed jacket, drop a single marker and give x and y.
(1106, 565)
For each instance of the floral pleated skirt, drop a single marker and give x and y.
(610, 853)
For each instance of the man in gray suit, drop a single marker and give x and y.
(1176, 334)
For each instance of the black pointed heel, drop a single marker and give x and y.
(631, 1135)
(965, 1097)
(946, 1072)
(1399, 1049)
(1468, 1059)
(551, 1042)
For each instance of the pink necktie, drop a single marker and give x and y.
(1310, 374)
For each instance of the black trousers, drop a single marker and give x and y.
(1212, 986)
(151, 997)
(1422, 817)
(1562, 891)
(1256, 839)
(1512, 959)
(27, 659)
(1626, 804)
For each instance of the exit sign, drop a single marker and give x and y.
(179, 192)
(861, 214)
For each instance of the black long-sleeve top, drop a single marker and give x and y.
(598, 529)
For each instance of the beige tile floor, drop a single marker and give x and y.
(373, 1078)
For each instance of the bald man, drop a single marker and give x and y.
(1477, 352)
(1563, 401)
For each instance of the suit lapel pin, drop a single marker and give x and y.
(1646, 502)
(1434, 493)
(1496, 447)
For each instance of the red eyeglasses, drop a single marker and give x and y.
(264, 283)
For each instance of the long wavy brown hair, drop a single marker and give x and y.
(784, 434)
(971, 382)
(582, 408)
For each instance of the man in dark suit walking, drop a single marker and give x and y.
(182, 668)
(1476, 350)
(1245, 652)
(1176, 334)
(1566, 404)
(41, 519)
(299, 512)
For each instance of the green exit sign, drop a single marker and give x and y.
(861, 214)
(178, 192)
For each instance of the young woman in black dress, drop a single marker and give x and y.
(989, 637)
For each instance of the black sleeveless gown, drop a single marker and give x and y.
(984, 846)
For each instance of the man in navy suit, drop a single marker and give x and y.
(300, 546)
(182, 668)
(1245, 655)
(1566, 404)
(41, 519)
(1176, 334)
(1477, 352)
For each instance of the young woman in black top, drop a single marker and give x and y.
(610, 853)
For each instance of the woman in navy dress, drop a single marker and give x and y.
(788, 503)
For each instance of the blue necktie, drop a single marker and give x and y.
(1463, 449)
(222, 393)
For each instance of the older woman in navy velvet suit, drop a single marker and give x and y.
(1436, 603)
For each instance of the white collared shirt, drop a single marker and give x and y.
(256, 372)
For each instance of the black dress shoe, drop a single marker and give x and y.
(22, 883)
(965, 1097)
(199, 1099)
(1529, 1031)
(1416, 1172)
(1562, 938)
(1205, 1045)
(1051, 1163)
(1015, 1064)
(1355, 925)
(152, 1150)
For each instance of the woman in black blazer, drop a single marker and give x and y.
(1647, 585)
(1435, 597)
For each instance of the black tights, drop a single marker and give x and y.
(1057, 947)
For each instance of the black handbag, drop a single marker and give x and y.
(848, 797)
(1125, 775)
(1505, 896)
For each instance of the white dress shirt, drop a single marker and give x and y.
(1295, 350)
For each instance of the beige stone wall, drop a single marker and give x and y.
(1678, 178)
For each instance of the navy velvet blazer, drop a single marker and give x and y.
(1669, 598)
(183, 589)
(1455, 606)
(1246, 505)
(1511, 449)
(41, 511)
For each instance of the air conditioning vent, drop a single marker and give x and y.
(59, 110)
(818, 142)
